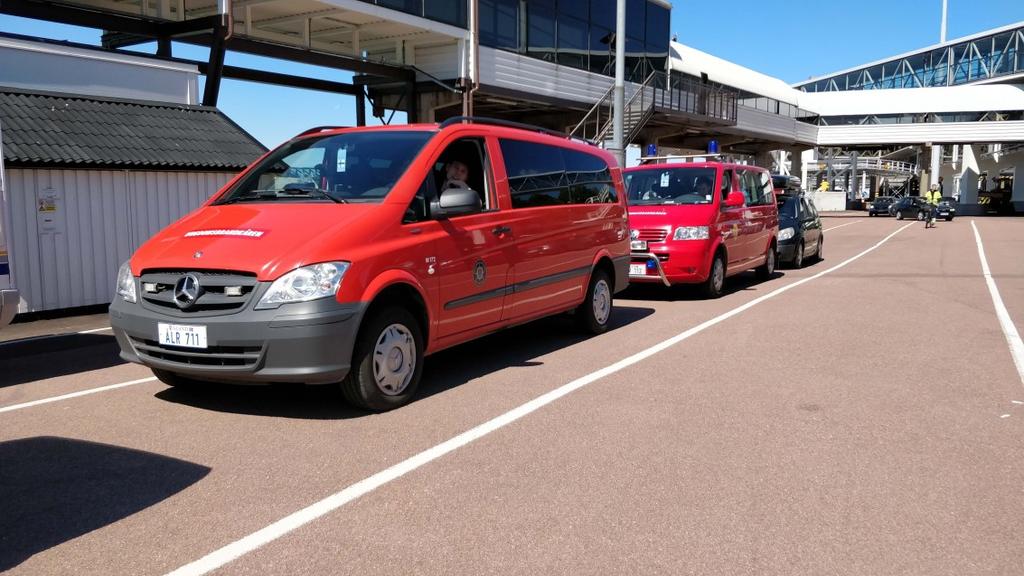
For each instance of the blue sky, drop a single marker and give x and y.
(789, 39)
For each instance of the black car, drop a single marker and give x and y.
(910, 206)
(880, 206)
(946, 208)
(800, 234)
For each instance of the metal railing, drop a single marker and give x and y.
(659, 92)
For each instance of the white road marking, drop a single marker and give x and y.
(293, 521)
(1009, 329)
(1005, 416)
(47, 336)
(841, 225)
(1016, 402)
(21, 406)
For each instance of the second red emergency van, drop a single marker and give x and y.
(699, 222)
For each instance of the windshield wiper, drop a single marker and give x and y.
(253, 195)
(275, 194)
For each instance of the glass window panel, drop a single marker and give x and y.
(499, 23)
(573, 42)
(540, 33)
(657, 34)
(447, 11)
(575, 8)
(536, 174)
(602, 13)
(602, 52)
(410, 6)
(636, 18)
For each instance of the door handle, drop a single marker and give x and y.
(501, 230)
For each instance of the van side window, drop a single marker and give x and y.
(464, 164)
(588, 177)
(726, 184)
(767, 187)
(545, 175)
(753, 187)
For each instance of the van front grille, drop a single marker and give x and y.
(221, 292)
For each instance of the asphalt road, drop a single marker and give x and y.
(865, 419)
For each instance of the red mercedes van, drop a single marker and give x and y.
(347, 255)
(700, 222)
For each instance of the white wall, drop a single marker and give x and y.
(69, 256)
(47, 67)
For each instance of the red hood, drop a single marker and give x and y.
(265, 239)
(667, 215)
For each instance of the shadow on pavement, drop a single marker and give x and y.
(685, 292)
(518, 346)
(34, 359)
(55, 489)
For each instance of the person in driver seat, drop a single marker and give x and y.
(456, 174)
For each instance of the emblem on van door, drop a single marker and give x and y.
(186, 291)
(479, 272)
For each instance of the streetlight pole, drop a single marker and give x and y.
(937, 150)
(618, 146)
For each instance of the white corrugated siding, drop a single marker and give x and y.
(102, 217)
(439, 61)
(534, 76)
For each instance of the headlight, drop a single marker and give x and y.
(785, 234)
(691, 233)
(126, 283)
(304, 284)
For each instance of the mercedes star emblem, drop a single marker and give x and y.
(187, 291)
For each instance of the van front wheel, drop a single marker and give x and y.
(387, 361)
(594, 314)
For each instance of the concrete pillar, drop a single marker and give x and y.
(763, 159)
(969, 176)
(796, 163)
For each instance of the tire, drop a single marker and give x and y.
(798, 256)
(387, 361)
(817, 251)
(949, 219)
(899, 215)
(766, 270)
(176, 380)
(920, 216)
(871, 214)
(712, 287)
(595, 313)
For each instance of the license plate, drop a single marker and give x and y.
(637, 270)
(638, 245)
(182, 335)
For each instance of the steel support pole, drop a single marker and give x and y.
(215, 69)
(618, 146)
(360, 109)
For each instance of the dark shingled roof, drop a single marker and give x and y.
(68, 130)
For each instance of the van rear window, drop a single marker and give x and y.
(350, 167)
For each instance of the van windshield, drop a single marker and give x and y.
(671, 186)
(352, 167)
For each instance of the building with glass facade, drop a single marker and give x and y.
(990, 56)
(576, 33)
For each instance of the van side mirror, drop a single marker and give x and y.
(734, 200)
(456, 202)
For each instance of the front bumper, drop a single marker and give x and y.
(309, 342)
(678, 262)
(9, 300)
(787, 249)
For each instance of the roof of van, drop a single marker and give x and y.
(69, 130)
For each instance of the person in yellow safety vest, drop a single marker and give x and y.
(933, 197)
(823, 187)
